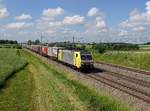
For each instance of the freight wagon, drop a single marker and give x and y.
(53, 52)
(36, 48)
(45, 51)
(77, 59)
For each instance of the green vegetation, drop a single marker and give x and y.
(65, 94)
(148, 43)
(100, 47)
(135, 59)
(9, 44)
(94, 101)
(10, 62)
(145, 47)
(36, 42)
(17, 92)
(15, 46)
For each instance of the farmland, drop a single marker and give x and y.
(45, 88)
(135, 59)
(10, 62)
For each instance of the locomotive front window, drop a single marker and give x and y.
(76, 55)
(86, 57)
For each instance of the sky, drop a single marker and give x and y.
(86, 20)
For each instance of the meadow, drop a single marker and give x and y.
(10, 62)
(16, 94)
(145, 47)
(135, 59)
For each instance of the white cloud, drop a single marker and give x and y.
(53, 12)
(138, 29)
(93, 12)
(135, 28)
(122, 33)
(96, 27)
(18, 25)
(137, 21)
(100, 22)
(3, 13)
(23, 17)
(76, 19)
(54, 24)
(148, 7)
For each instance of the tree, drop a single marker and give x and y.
(37, 42)
(29, 42)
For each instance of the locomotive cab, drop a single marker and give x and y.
(86, 60)
(83, 60)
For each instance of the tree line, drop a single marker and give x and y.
(8, 42)
(102, 47)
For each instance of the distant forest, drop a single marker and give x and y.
(148, 43)
(8, 42)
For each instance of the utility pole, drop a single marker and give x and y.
(73, 43)
(41, 36)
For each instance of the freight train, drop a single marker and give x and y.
(74, 58)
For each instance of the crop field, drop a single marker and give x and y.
(135, 59)
(10, 62)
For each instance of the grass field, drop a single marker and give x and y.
(10, 46)
(41, 87)
(135, 59)
(16, 95)
(10, 62)
(145, 47)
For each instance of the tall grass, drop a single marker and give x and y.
(94, 101)
(10, 62)
(140, 60)
(17, 93)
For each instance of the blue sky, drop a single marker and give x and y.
(91, 20)
(115, 10)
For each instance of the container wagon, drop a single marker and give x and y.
(45, 51)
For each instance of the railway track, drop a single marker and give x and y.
(131, 79)
(143, 72)
(131, 90)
